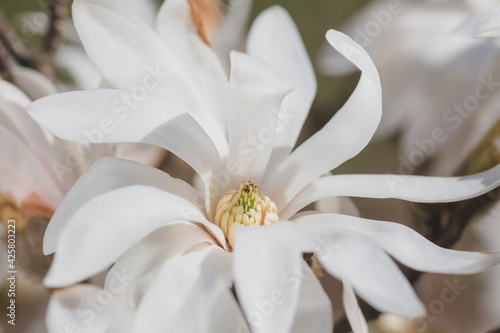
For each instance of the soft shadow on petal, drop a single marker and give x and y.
(140, 264)
(186, 297)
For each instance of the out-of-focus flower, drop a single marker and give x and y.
(238, 135)
(440, 80)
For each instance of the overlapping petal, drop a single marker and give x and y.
(151, 119)
(274, 39)
(401, 242)
(405, 187)
(266, 265)
(255, 94)
(344, 136)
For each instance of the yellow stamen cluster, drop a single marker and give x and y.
(244, 207)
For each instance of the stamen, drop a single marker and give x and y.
(244, 207)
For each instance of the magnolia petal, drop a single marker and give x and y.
(232, 32)
(357, 260)
(352, 310)
(19, 178)
(140, 152)
(344, 136)
(267, 275)
(183, 291)
(337, 205)
(106, 22)
(101, 116)
(314, 311)
(405, 187)
(147, 9)
(69, 310)
(490, 27)
(255, 95)
(274, 39)
(402, 243)
(109, 224)
(117, 174)
(197, 59)
(137, 267)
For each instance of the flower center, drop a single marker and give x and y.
(244, 207)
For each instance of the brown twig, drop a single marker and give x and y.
(14, 45)
(4, 64)
(54, 36)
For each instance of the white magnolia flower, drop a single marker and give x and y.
(440, 80)
(237, 134)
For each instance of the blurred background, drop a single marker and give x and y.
(385, 154)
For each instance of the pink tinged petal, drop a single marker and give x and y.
(274, 39)
(87, 309)
(344, 136)
(22, 173)
(255, 95)
(490, 27)
(314, 311)
(100, 116)
(106, 175)
(134, 270)
(129, 42)
(357, 260)
(33, 83)
(267, 272)
(405, 187)
(403, 243)
(186, 297)
(352, 310)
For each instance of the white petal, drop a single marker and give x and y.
(314, 312)
(352, 310)
(151, 65)
(274, 39)
(231, 34)
(102, 116)
(140, 152)
(118, 174)
(198, 60)
(109, 224)
(405, 187)
(403, 243)
(357, 260)
(23, 174)
(490, 27)
(188, 298)
(147, 9)
(139, 264)
(344, 136)
(267, 272)
(337, 205)
(255, 95)
(87, 309)
(118, 41)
